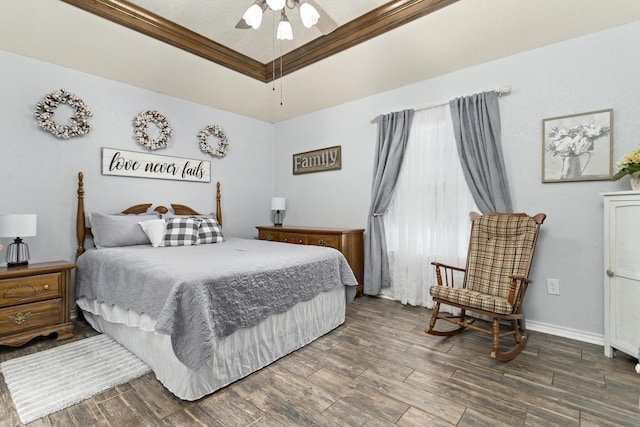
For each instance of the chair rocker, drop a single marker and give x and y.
(495, 280)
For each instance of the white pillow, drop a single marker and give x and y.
(155, 230)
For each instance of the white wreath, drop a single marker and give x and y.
(141, 123)
(216, 131)
(79, 122)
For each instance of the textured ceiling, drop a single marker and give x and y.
(216, 20)
(463, 34)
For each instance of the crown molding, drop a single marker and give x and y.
(385, 18)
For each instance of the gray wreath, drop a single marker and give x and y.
(223, 143)
(141, 124)
(78, 123)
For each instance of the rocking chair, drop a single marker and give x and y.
(495, 279)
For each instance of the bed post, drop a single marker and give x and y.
(218, 206)
(80, 222)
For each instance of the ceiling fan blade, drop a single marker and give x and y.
(242, 24)
(325, 24)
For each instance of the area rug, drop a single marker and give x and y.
(49, 381)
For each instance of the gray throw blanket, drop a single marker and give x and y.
(200, 294)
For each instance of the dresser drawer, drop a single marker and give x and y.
(299, 239)
(328, 240)
(29, 289)
(28, 316)
(272, 236)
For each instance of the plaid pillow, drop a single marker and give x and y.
(181, 232)
(209, 231)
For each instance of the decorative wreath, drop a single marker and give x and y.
(216, 131)
(141, 123)
(78, 123)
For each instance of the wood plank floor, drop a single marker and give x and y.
(381, 369)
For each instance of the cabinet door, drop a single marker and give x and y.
(624, 276)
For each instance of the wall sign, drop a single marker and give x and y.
(324, 159)
(145, 165)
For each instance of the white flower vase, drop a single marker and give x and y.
(635, 181)
(571, 167)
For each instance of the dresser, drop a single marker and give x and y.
(622, 272)
(34, 301)
(348, 241)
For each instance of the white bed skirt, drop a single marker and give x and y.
(243, 352)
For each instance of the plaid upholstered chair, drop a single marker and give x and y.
(495, 279)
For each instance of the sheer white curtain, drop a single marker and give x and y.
(428, 219)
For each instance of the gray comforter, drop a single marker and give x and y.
(201, 294)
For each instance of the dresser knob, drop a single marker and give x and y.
(610, 273)
(269, 237)
(46, 287)
(321, 242)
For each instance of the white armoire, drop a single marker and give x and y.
(622, 272)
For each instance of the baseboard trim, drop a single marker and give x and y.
(573, 334)
(545, 328)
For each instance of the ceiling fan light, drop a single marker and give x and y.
(285, 32)
(253, 16)
(309, 15)
(276, 4)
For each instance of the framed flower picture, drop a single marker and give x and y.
(578, 147)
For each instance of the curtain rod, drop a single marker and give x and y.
(501, 91)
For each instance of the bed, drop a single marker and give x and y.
(202, 309)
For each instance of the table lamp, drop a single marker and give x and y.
(17, 226)
(278, 204)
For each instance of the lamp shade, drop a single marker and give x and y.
(253, 16)
(309, 15)
(278, 203)
(276, 4)
(285, 32)
(18, 225)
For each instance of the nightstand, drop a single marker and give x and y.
(34, 301)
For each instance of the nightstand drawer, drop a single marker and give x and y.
(29, 289)
(328, 240)
(272, 236)
(28, 316)
(298, 239)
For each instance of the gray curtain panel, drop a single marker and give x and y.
(476, 124)
(393, 133)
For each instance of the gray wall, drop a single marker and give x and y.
(594, 72)
(38, 171)
(598, 71)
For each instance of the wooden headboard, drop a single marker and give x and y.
(82, 231)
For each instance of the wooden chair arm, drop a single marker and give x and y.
(439, 264)
(448, 273)
(520, 278)
(514, 298)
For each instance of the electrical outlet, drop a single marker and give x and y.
(553, 286)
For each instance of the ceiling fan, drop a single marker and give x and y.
(310, 13)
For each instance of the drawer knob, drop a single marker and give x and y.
(269, 237)
(321, 242)
(46, 287)
(20, 318)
